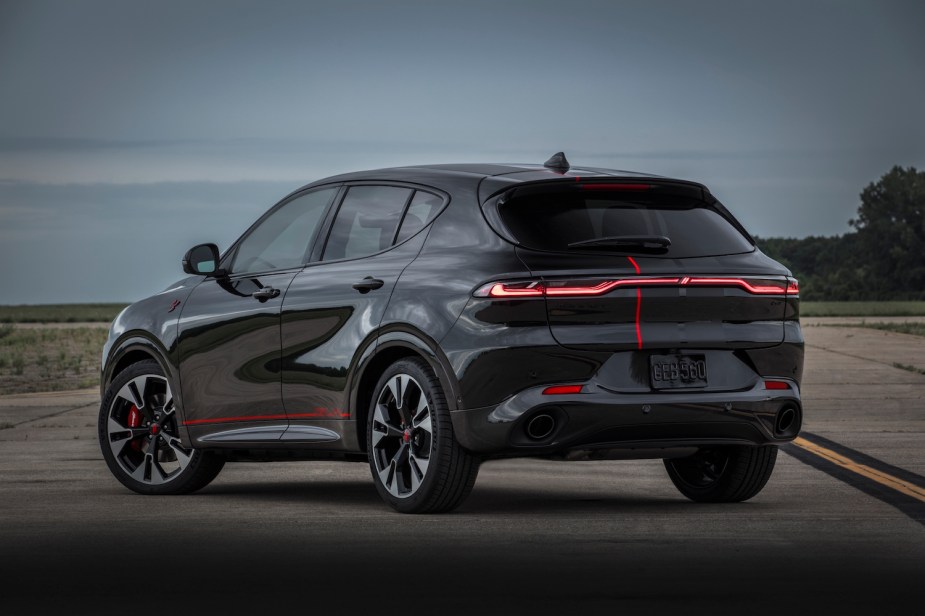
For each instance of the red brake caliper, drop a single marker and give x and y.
(134, 420)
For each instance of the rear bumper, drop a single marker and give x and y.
(601, 419)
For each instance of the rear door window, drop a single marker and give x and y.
(366, 221)
(620, 221)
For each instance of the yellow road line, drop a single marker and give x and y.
(909, 489)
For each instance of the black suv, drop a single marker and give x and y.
(425, 319)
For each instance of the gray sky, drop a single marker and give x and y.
(130, 131)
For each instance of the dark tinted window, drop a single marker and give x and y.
(424, 206)
(366, 221)
(553, 220)
(281, 239)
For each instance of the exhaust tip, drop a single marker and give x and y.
(540, 426)
(787, 421)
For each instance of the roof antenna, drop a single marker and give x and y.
(557, 162)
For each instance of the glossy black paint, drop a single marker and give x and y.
(274, 364)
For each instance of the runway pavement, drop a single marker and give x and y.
(838, 529)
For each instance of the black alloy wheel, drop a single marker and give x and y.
(416, 462)
(139, 436)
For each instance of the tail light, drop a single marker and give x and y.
(561, 288)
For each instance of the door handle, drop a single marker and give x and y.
(265, 293)
(368, 284)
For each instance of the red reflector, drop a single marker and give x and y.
(558, 390)
(776, 385)
(635, 187)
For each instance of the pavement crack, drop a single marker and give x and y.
(55, 414)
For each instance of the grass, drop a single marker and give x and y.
(50, 359)
(862, 309)
(915, 369)
(59, 313)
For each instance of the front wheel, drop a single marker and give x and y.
(139, 437)
(416, 462)
(723, 474)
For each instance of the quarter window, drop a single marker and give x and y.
(281, 240)
(424, 206)
(366, 222)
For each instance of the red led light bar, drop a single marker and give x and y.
(537, 289)
(499, 289)
(558, 390)
(738, 282)
(609, 285)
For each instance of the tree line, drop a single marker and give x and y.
(882, 259)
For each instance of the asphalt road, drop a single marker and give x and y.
(833, 532)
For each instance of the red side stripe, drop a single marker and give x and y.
(196, 422)
(319, 413)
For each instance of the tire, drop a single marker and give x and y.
(723, 474)
(139, 436)
(416, 462)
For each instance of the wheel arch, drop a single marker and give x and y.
(133, 347)
(391, 345)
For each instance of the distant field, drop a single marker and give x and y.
(60, 313)
(49, 359)
(862, 309)
(915, 329)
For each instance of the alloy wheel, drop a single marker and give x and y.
(142, 431)
(402, 436)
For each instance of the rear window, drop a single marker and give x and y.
(622, 221)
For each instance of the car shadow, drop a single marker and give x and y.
(483, 500)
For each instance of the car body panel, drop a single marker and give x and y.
(326, 321)
(229, 351)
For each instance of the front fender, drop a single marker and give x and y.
(137, 346)
(148, 329)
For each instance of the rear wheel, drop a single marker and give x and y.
(416, 462)
(139, 436)
(723, 474)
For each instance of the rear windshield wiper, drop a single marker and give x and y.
(645, 241)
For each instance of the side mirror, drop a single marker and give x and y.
(202, 260)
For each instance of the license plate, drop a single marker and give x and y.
(670, 371)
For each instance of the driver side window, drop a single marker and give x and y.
(281, 240)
